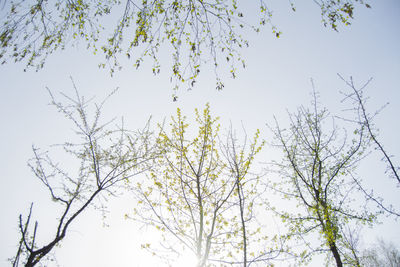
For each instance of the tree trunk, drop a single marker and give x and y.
(336, 255)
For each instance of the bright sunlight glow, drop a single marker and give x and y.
(187, 259)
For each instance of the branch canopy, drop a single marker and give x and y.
(197, 31)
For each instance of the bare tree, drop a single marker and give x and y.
(383, 254)
(105, 157)
(365, 119)
(316, 175)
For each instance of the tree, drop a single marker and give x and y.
(238, 162)
(363, 118)
(200, 192)
(316, 175)
(198, 31)
(359, 102)
(106, 159)
(383, 254)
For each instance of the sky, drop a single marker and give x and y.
(277, 79)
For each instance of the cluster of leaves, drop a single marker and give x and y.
(198, 31)
(339, 12)
(33, 30)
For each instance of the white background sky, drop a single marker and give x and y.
(276, 79)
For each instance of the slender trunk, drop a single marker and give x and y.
(336, 255)
(201, 226)
(241, 206)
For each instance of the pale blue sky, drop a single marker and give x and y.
(276, 79)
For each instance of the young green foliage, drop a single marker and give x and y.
(197, 31)
(335, 13)
(195, 193)
(316, 174)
